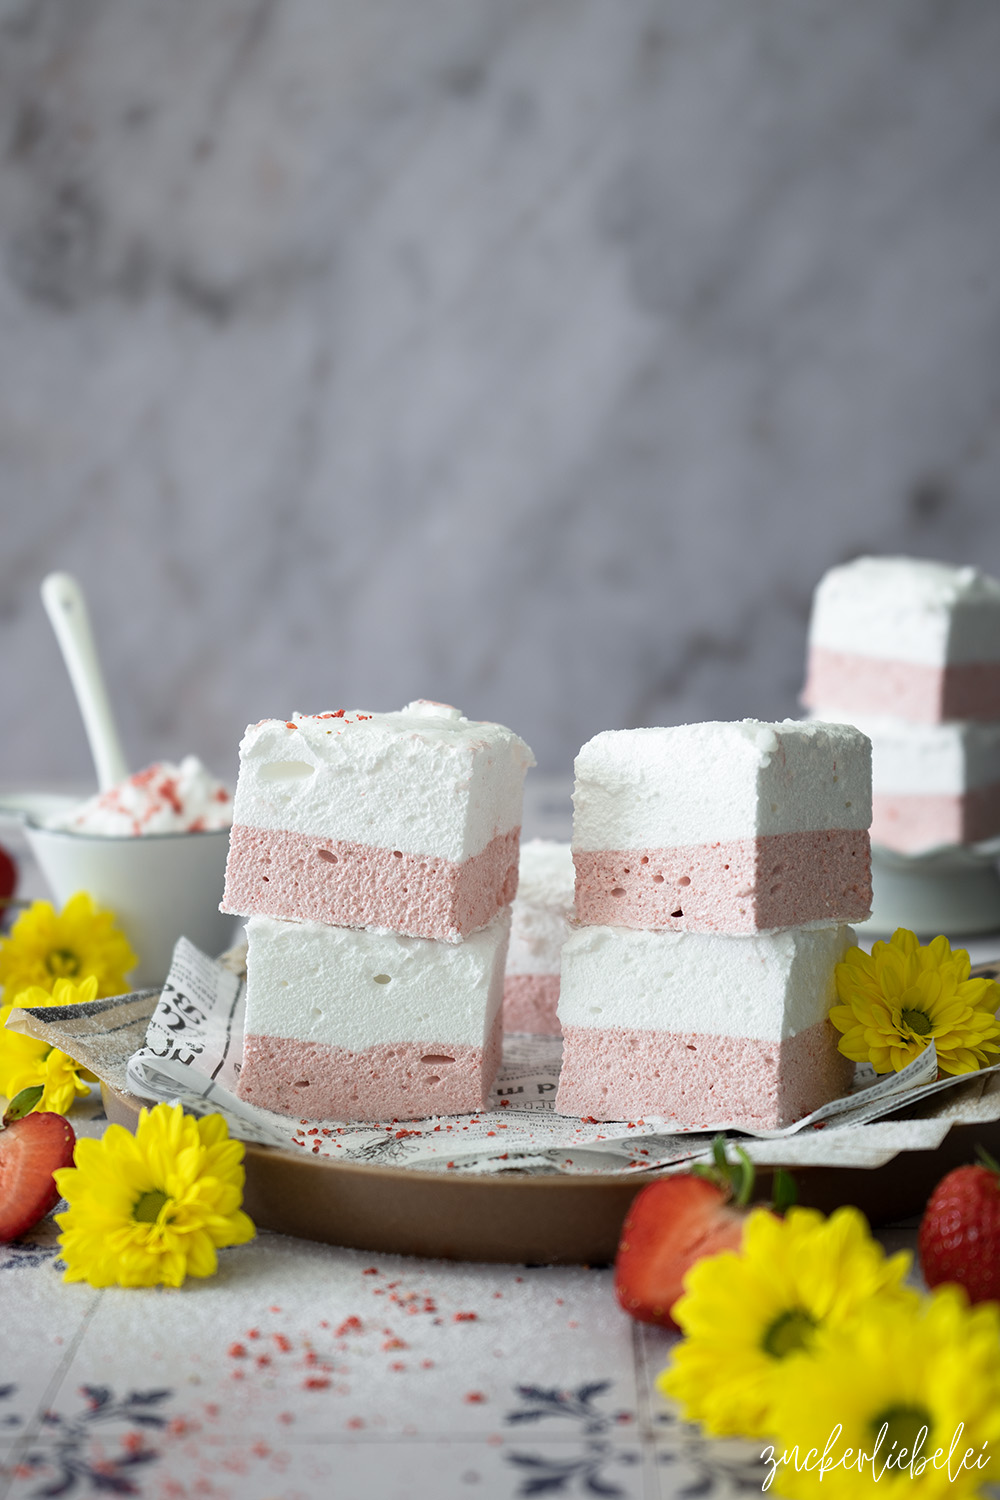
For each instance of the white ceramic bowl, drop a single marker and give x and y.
(159, 886)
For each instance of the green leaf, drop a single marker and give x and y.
(986, 1160)
(742, 1178)
(737, 1176)
(784, 1191)
(23, 1103)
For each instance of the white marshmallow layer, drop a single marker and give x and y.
(931, 759)
(543, 906)
(908, 610)
(767, 986)
(356, 988)
(424, 780)
(701, 783)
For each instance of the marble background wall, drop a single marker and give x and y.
(535, 355)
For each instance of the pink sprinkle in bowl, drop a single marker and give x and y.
(160, 886)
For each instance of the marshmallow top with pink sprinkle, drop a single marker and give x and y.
(424, 780)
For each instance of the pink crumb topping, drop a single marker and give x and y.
(162, 798)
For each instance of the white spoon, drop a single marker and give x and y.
(67, 609)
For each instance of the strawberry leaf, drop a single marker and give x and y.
(986, 1160)
(23, 1103)
(735, 1177)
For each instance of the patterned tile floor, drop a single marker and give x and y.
(302, 1372)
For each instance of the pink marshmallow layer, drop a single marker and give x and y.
(909, 824)
(736, 886)
(529, 1004)
(615, 1073)
(394, 1081)
(301, 876)
(904, 690)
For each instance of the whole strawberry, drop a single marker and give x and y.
(678, 1220)
(959, 1237)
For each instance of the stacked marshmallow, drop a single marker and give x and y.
(909, 651)
(716, 868)
(375, 856)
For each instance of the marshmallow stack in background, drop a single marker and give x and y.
(540, 925)
(717, 866)
(909, 651)
(376, 858)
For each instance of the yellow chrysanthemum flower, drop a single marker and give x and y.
(935, 1367)
(25, 1063)
(78, 942)
(152, 1208)
(748, 1313)
(902, 995)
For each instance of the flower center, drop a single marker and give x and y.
(148, 1207)
(791, 1330)
(903, 1425)
(62, 963)
(917, 1020)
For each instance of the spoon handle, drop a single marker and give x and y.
(67, 610)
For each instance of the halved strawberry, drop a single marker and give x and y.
(672, 1223)
(678, 1220)
(31, 1149)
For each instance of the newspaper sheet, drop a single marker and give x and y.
(193, 1049)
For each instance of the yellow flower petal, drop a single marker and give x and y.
(893, 1001)
(748, 1314)
(110, 1236)
(900, 1366)
(26, 1062)
(80, 942)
